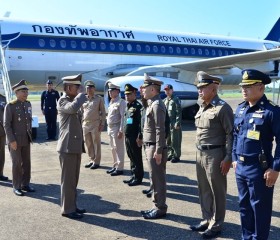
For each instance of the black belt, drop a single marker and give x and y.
(149, 143)
(208, 147)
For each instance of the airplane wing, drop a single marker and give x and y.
(212, 65)
(237, 60)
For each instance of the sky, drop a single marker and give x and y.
(239, 18)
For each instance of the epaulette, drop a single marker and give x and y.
(27, 101)
(241, 103)
(272, 103)
(13, 101)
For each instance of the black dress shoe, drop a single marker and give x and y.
(80, 210)
(208, 234)
(134, 183)
(117, 173)
(199, 227)
(175, 160)
(94, 166)
(18, 192)
(28, 189)
(149, 194)
(88, 165)
(128, 181)
(143, 212)
(146, 191)
(3, 178)
(169, 158)
(111, 170)
(73, 215)
(155, 214)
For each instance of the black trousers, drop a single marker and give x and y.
(135, 155)
(51, 116)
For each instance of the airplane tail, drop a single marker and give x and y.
(274, 34)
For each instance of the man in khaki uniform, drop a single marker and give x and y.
(70, 144)
(214, 122)
(174, 137)
(115, 122)
(2, 138)
(17, 124)
(94, 116)
(155, 146)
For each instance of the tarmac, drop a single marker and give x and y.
(113, 208)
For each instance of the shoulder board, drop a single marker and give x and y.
(27, 101)
(13, 101)
(272, 103)
(241, 103)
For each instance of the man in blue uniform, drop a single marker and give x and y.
(132, 130)
(48, 107)
(256, 125)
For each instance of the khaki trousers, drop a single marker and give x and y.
(212, 187)
(93, 145)
(158, 176)
(21, 168)
(70, 170)
(117, 147)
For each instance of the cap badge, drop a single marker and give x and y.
(245, 75)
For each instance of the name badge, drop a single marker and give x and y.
(129, 121)
(257, 115)
(255, 135)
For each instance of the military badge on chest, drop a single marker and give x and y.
(255, 120)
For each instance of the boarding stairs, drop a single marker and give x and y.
(5, 85)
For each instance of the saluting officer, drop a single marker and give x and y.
(155, 145)
(115, 122)
(174, 137)
(2, 138)
(17, 124)
(49, 100)
(94, 116)
(214, 123)
(256, 125)
(132, 131)
(70, 144)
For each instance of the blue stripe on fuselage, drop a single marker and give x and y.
(47, 43)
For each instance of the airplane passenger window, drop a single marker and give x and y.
(148, 49)
(155, 49)
(178, 50)
(232, 52)
(112, 46)
(52, 43)
(83, 44)
(63, 43)
(93, 45)
(192, 51)
(206, 52)
(102, 46)
(226, 52)
(186, 51)
(129, 47)
(138, 48)
(199, 51)
(121, 47)
(170, 50)
(41, 42)
(213, 52)
(73, 44)
(162, 49)
(220, 53)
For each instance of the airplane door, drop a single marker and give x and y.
(53, 76)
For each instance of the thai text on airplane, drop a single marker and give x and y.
(74, 30)
(192, 40)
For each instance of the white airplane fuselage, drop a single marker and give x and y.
(39, 51)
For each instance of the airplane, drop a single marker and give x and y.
(38, 51)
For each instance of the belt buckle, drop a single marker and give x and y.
(241, 158)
